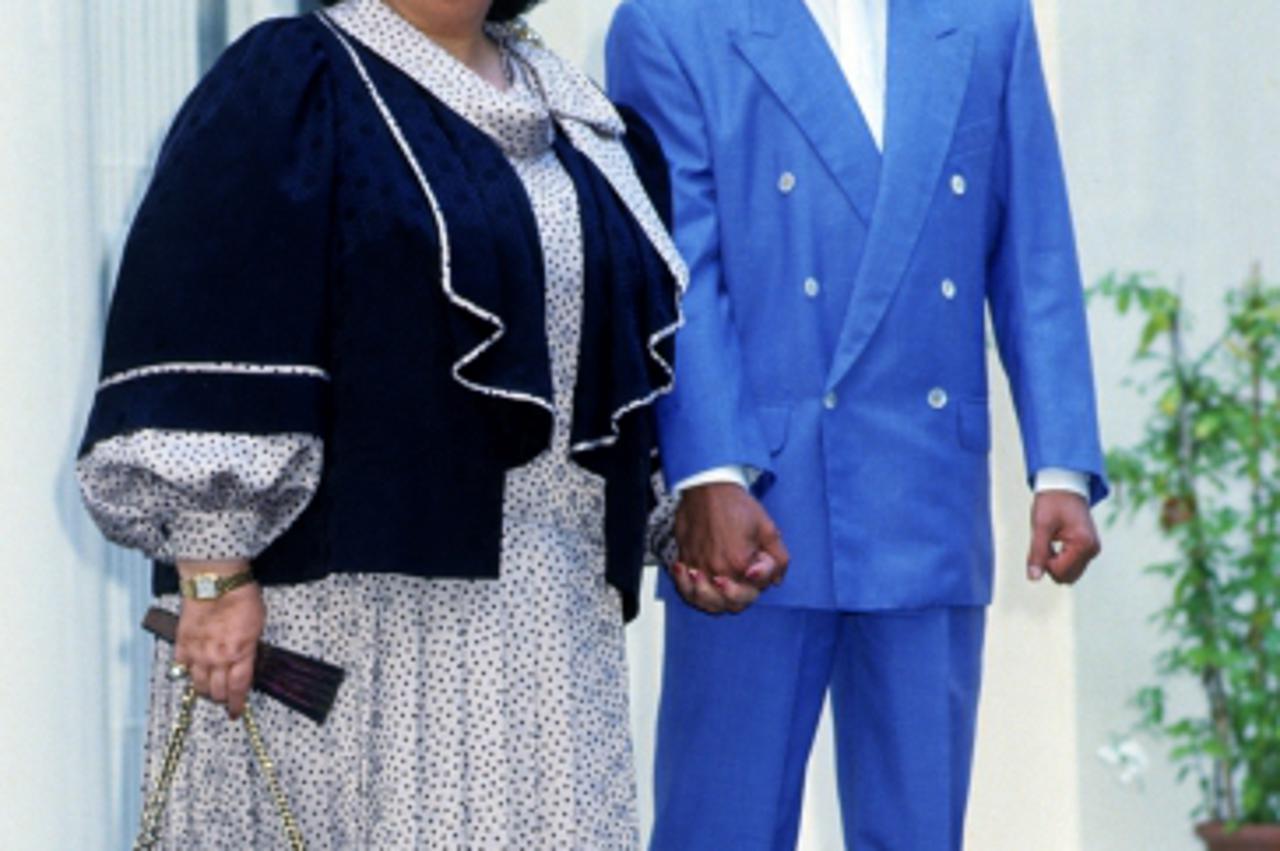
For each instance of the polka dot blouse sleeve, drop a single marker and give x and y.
(199, 496)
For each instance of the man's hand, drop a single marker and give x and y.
(218, 639)
(730, 549)
(1063, 537)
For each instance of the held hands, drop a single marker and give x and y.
(218, 639)
(730, 550)
(1063, 537)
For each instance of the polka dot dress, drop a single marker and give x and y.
(475, 714)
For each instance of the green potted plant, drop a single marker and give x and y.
(1208, 466)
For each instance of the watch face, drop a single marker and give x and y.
(206, 587)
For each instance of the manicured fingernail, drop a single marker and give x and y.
(719, 582)
(1035, 572)
(693, 574)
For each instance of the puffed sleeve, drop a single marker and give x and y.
(185, 495)
(205, 437)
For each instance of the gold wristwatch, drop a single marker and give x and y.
(211, 586)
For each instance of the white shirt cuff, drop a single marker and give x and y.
(732, 474)
(1059, 479)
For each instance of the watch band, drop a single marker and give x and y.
(211, 586)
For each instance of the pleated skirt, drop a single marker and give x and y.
(474, 715)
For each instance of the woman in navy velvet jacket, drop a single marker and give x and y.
(386, 337)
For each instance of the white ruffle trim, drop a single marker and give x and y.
(446, 257)
(605, 150)
(212, 368)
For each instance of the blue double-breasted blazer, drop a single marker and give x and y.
(835, 320)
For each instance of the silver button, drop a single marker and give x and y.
(948, 289)
(811, 287)
(937, 398)
(786, 182)
(959, 185)
(830, 401)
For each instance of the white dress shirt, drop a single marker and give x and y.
(858, 34)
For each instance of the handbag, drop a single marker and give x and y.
(306, 685)
(153, 810)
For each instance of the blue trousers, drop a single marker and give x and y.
(741, 699)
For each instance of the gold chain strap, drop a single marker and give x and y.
(153, 810)
(268, 767)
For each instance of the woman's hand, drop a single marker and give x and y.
(218, 639)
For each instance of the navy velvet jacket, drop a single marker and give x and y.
(283, 276)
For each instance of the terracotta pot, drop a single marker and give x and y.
(1249, 837)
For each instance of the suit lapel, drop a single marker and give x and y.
(928, 74)
(787, 50)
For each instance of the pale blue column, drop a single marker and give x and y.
(55, 741)
(87, 89)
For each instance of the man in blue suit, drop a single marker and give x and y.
(855, 182)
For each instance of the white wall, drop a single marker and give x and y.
(1170, 120)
